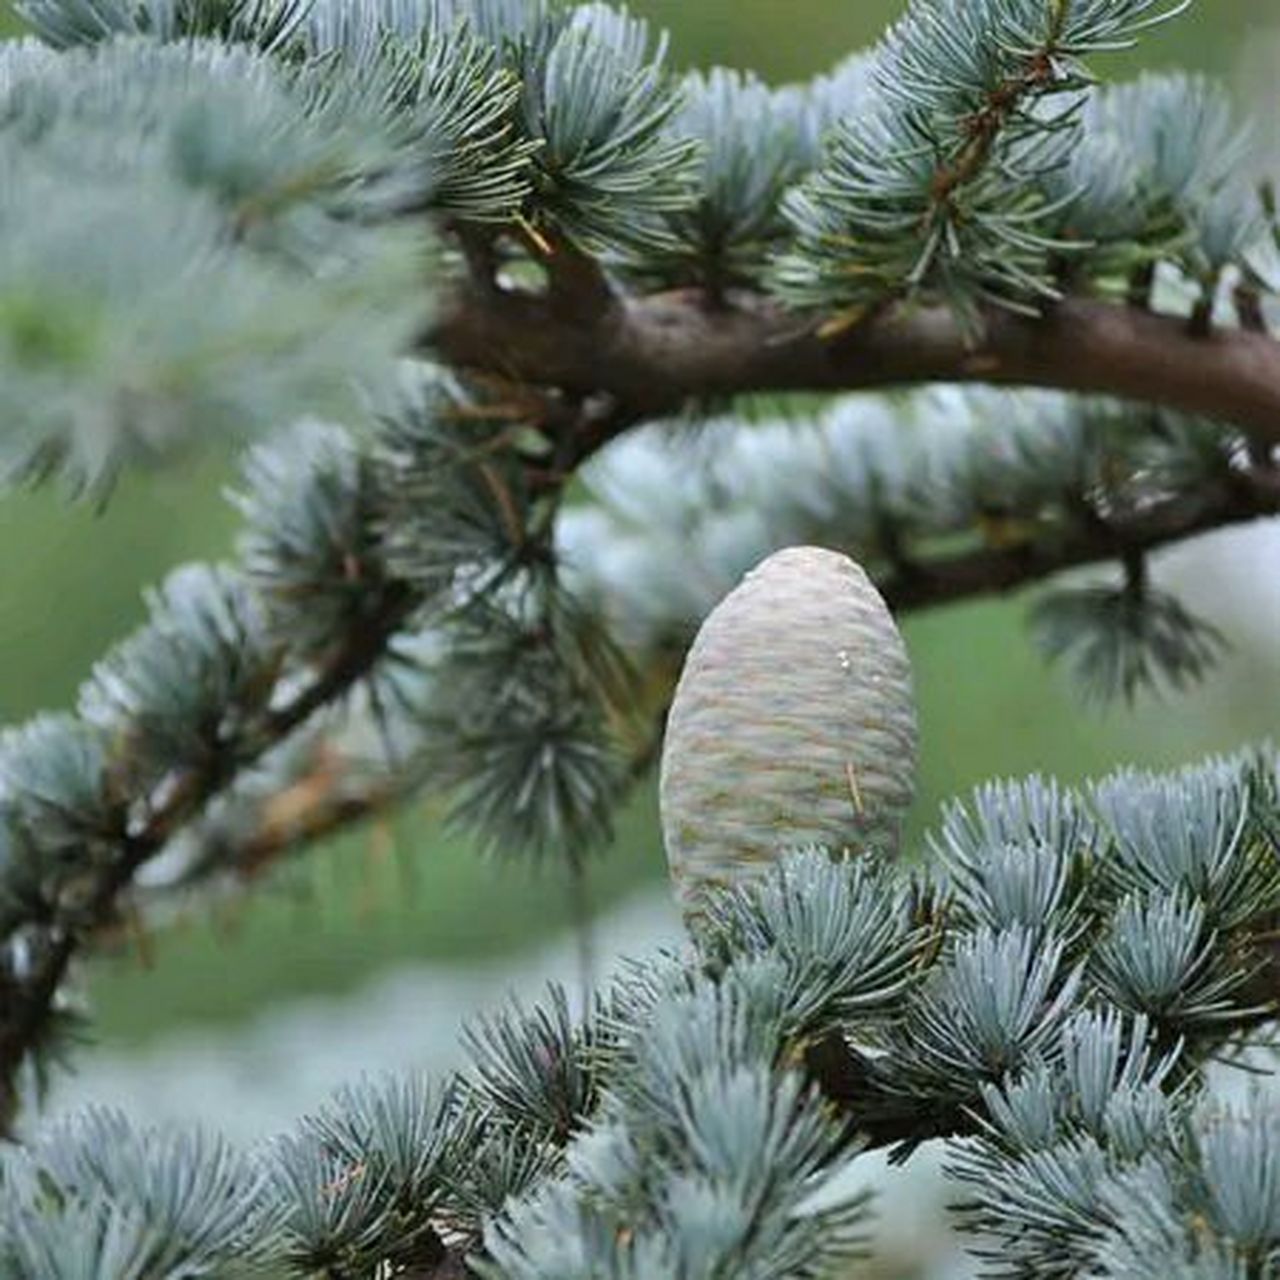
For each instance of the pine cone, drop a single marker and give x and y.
(793, 724)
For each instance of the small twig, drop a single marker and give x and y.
(480, 254)
(578, 286)
(1248, 304)
(1142, 285)
(1200, 324)
(583, 930)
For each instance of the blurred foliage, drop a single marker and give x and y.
(71, 579)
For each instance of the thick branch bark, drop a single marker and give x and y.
(653, 354)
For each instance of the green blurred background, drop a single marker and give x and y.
(70, 583)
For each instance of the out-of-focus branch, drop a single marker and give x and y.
(996, 570)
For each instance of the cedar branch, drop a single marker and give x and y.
(654, 354)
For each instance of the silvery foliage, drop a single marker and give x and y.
(139, 177)
(278, 156)
(225, 216)
(983, 160)
(1012, 999)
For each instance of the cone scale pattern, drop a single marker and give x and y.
(793, 723)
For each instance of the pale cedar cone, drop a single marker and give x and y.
(793, 724)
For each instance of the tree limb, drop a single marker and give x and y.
(653, 354)
(991, 571)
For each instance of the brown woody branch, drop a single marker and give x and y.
(990, 571)
(653, 354)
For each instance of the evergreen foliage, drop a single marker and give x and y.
(706, 1116)
(507, 317)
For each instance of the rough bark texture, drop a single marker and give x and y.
(652, 354)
